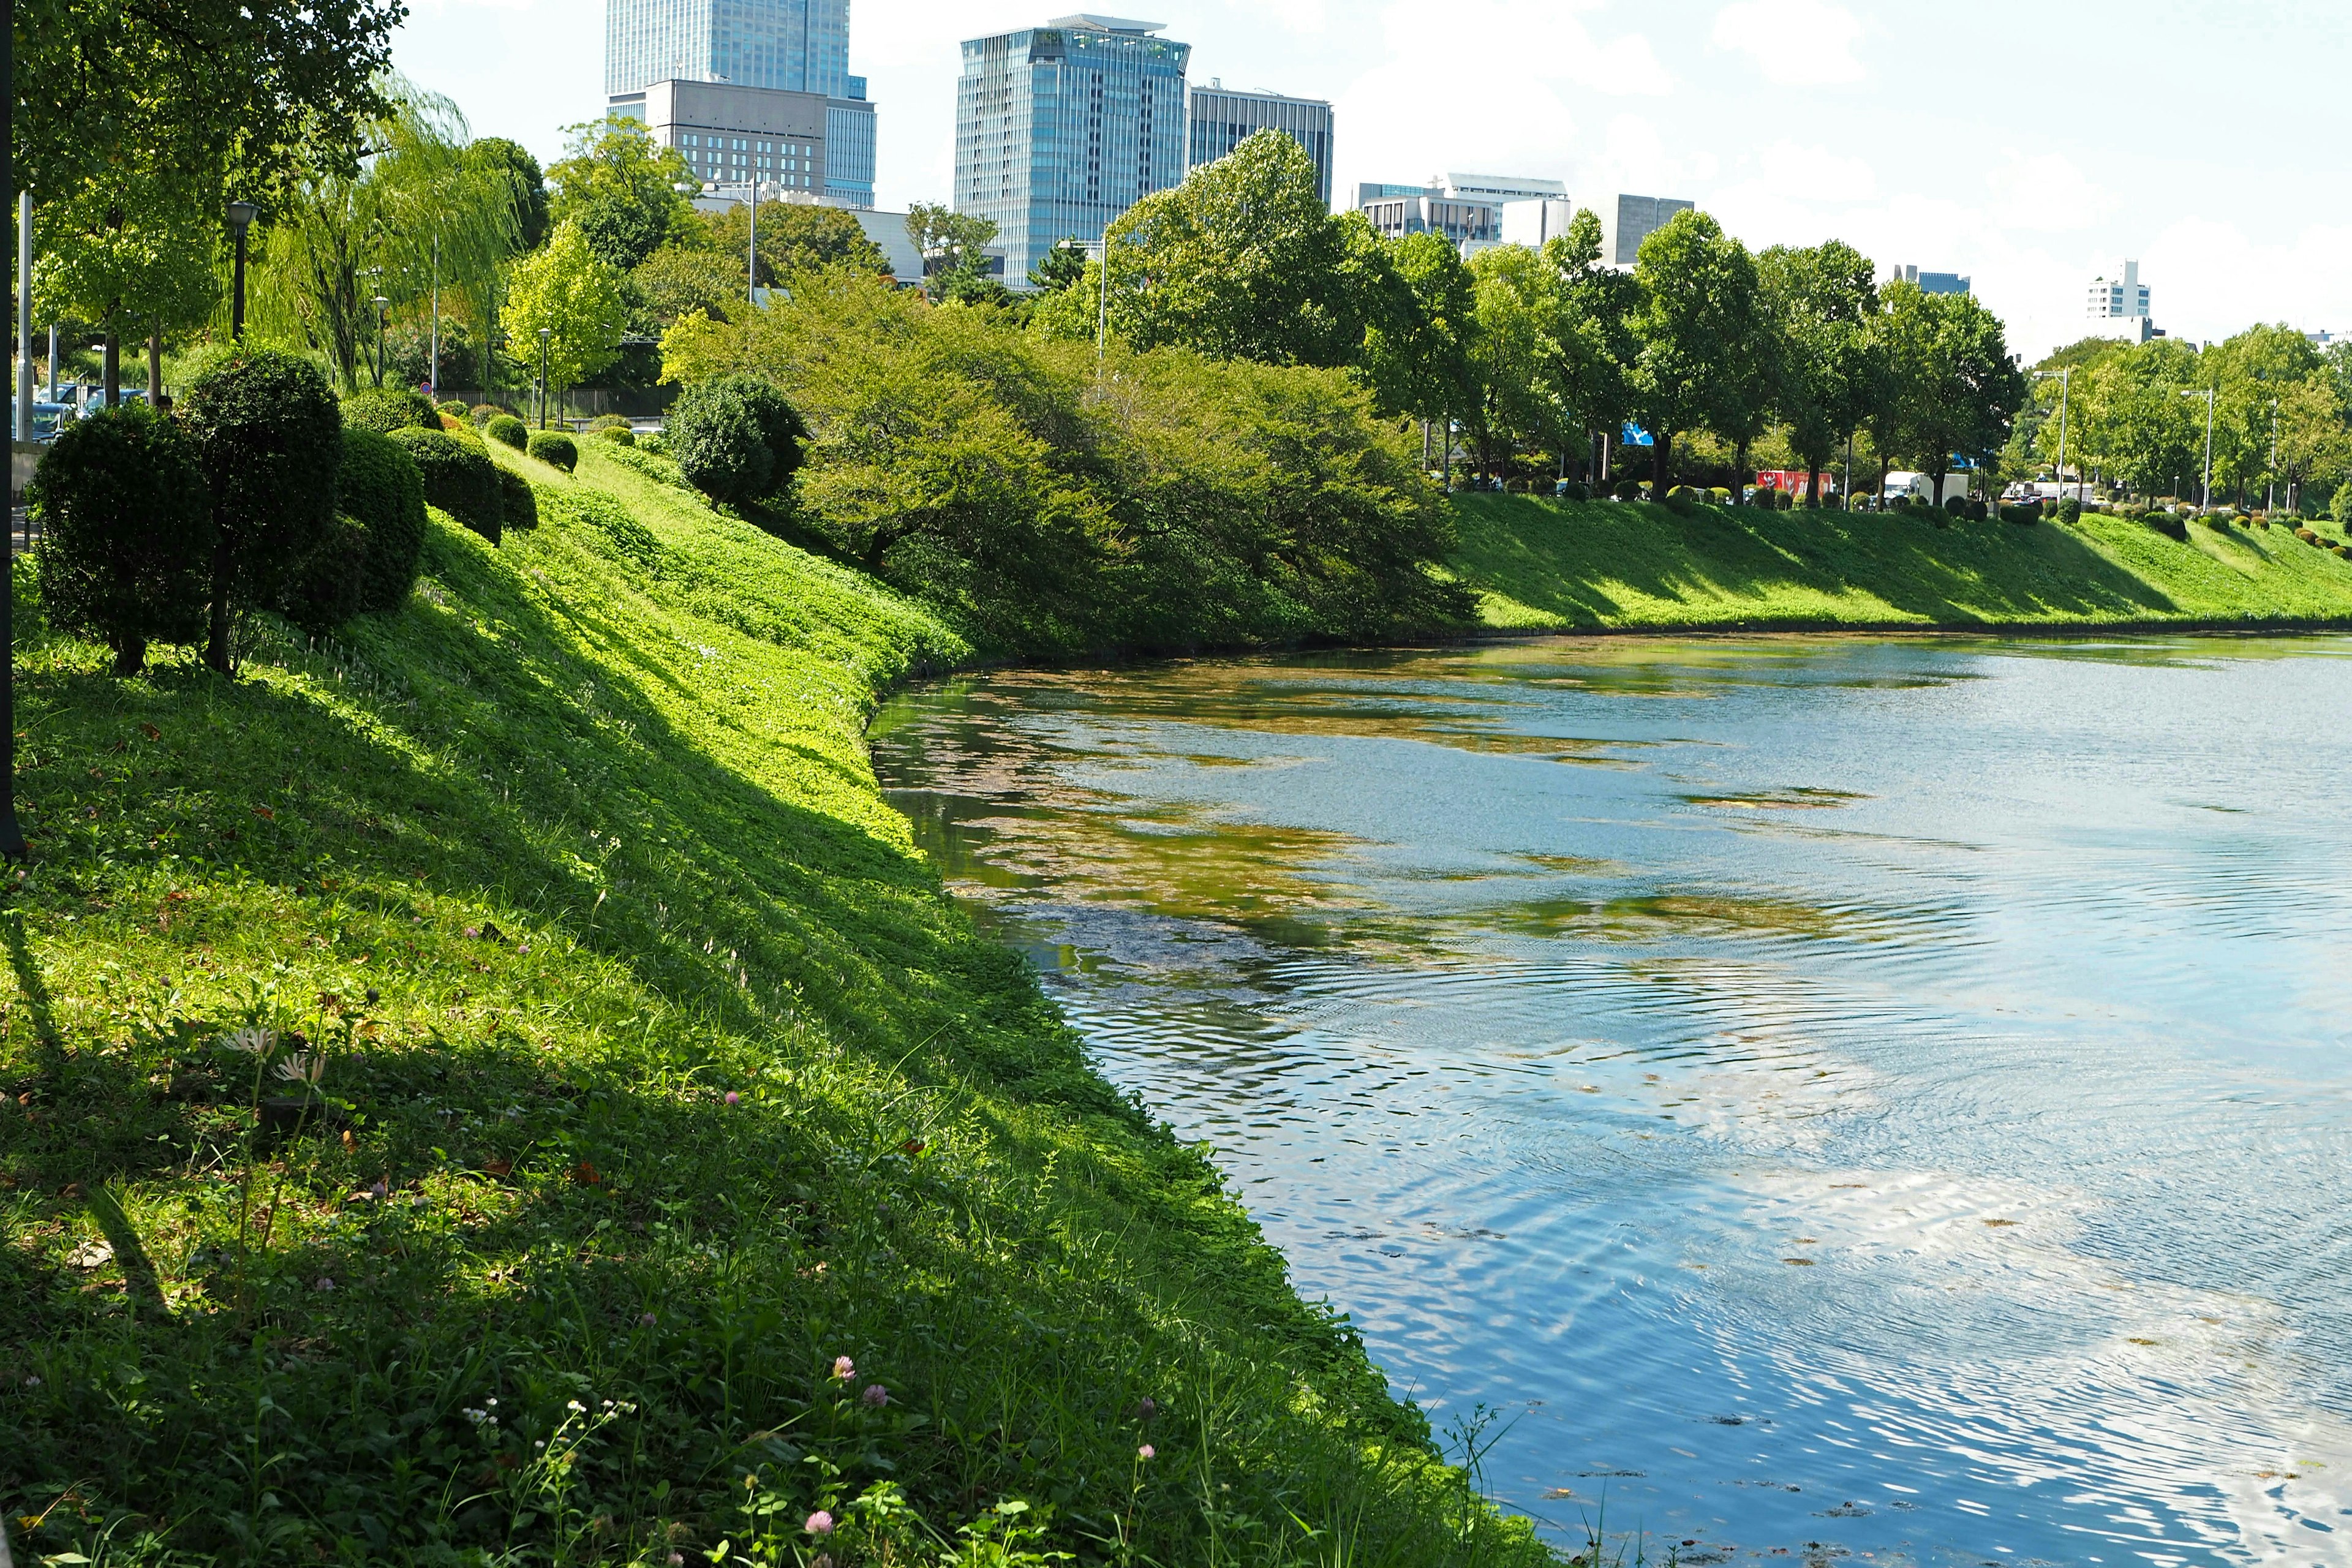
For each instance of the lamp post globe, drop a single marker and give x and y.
(240, 218)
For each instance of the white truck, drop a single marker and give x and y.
(1922, 487)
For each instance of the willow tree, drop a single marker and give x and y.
(421, 208)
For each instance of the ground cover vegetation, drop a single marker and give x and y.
(1540, 565)
(500, 1086)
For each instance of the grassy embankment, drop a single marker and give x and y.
(658, 1069)
(1541, 565)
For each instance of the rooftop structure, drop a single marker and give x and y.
(793, 46)
(797, 142)
(1627, 221)
(1931, 282)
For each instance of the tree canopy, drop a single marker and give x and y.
(626, 193)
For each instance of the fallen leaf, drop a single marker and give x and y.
(498, 1168)
(1800, 1262)
(912, 1146)
(585, 1174)
(152, 732)
(264, 811)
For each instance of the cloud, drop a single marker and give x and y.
(1797, 42)
(2045, 191)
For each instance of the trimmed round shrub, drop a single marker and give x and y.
(507, 430)
(1628, 489)
(2170, 526)
(1572, 489)
(553, 447)
(517, 506)
(453, 409)
(1977, 509)
(326, 589)
(1784, 500)
(459, 478)
(616, 435)
(2070, 509)
(735, 438)
(269, 439)
(2024, 514)
(126, 534)
(483, 412)
(603, 422)
(381, 489)
(389, 408)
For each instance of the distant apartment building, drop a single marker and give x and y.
(1627, 221)
(789, 143)
(2117, 305)
(1931, 282)
(748, 90)
(1466, 208)
(1062, 127)
(1220, 119)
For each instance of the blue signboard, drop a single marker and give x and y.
(1636, 436)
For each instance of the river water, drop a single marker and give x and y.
(1825, 1097)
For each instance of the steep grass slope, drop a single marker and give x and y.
(1539, 565)
(504, 1090)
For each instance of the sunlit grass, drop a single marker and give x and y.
(652, 1068)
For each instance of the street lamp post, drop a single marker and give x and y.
(2270, 489)
(240, 218)
(543, 335)
(2205, 487)
(380, 303)
(12, 837)
(2065, 379)
(24, 422)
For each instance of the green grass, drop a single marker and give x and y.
(658, 1069)
(1541, 565)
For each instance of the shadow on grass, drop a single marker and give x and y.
(547, 1199)
(1594, 565)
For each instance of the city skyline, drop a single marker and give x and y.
(1792, 121)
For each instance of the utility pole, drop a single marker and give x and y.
(23, 424)
(2269, 490)
(2065, 379)
(12, 837)
(433, 371)
(1102, 318)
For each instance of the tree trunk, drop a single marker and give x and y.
(1812, 482)
(110, 375)
(217, 639)
(1882, 481)
(1660, 456)
(155, 366)
(130, 656)
(1739, 474)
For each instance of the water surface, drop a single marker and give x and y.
(1832, 1096)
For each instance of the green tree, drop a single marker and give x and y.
(1061, 268)
(2315, 447)
(422, 206)
(1512, 352)
(526, 180)
(954, 249)
(207, 95)
(1245, 260)
(117, 253)
(626, 193)
(1596, 346)
(574, 295)
(1956, 386)
(1824, 299)
(1416, 354)
(795, 237)
(678, 279)
(1699, 320)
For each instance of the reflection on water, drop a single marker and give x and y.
(1885, 1098)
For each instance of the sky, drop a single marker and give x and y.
(2027, 144)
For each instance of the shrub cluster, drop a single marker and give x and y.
(736, 438)
(554, 447)
(127, 536)
(458, 476)
(387, 409)
(380, 489)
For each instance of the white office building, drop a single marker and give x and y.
(2117, 304)
(1533, 222)
(1627, 221)
(1466, 208)
(1220, 118)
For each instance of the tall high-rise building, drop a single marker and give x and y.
(748, 91)
(1220, 119)
(1628, 221)
(1060, 129)
(1930, 282)
(794, 46)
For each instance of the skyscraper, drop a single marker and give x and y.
(797, 45)
(1060, 129)
(748, 90)
(1222, 118)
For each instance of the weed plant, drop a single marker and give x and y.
(502, 1088)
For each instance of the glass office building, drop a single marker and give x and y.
(1222, 120)
(1060, 129)
(798, 45)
